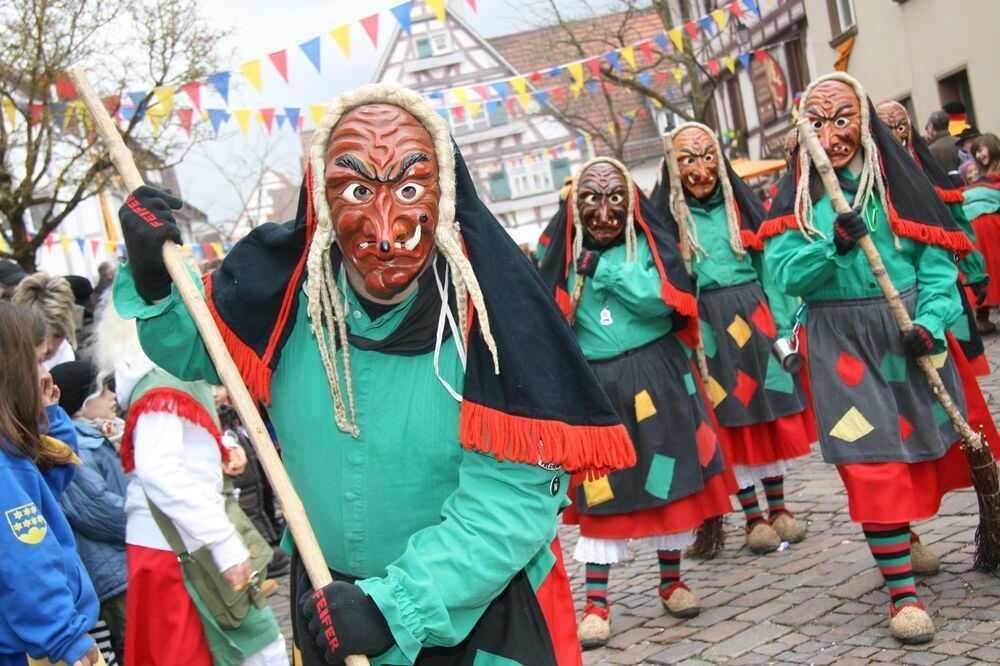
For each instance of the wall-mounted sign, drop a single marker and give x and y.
(769, 85)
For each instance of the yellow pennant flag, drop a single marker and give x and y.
(316, 112)
(462, 95)
(243, 118)
(3, 245)
(730, 63)
(576, 71)
(110, 246)
(678, 74)
(165, 96)
(474, 108)
(68, 115)
(657, 103)
(677, 38)
(155, 120)
(82, 112)
(218, 249)
(65, 241)
(611, 129)
(8, 110)
(719, 15)
(628, 52)
(251, 70)
(576, 89)
(518, 85)
(342, 36)
(437, 6)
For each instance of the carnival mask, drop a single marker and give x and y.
(790, 145)
(834, 110)
(894, 115)
(697, 161)
(382, 185)
(602, 200)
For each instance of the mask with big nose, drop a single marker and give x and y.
(697, 161)
(383, 188)
(602, 202)
(894, 115)
(834, 110)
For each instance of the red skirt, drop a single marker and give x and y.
(987, 230)
(164, 628)
(759, 444)
(556, 601)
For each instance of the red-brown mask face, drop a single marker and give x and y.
(697, 161)
(790, 145)
(835, 113)
(894, 115)
(602, 201)
(382, 184)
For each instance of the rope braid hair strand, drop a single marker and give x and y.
(325, 309)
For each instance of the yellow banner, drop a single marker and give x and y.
(628, 52)
(251, 70)
(342, 36)
(243, 118)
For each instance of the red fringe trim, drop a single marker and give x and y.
(991, 182)
(255, 372)
(563, 300)
(776, 226)
(954, 240)
(950, 196)
(595, 450)
(174, 402)
(750, 240)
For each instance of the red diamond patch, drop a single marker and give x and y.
(905, 429)
(850, 369)
(706, 443)
(763, 320)
(746, 386)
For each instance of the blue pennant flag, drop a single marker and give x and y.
(581, 143)
(491, 107)
(541, 95)
(615, 59)
(708, 25)
(221, 83)
(442, 111)
(744, 59)
(292, 113)
(752, 6)
(311, 49)
(625, 117)
(121, 249)
(57, 110)
(644, 79)
(139, 104)
(402, 14)
(80, 242)
(556, 71)
(198, 252)
(227, 246)
(661, 41)
(670, 93)
(591, 86)
(280, 120)
(501, 89)
(437, 94)
(217, 116)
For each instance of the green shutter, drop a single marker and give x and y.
(560, 171)
(424, 48)
(499, 116)
(499, 185)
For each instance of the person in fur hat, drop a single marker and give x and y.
(429, 398)
(615, 271)
(878, 422)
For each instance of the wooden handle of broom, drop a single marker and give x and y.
(808, 138)
(295, 514)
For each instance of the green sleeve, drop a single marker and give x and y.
(166, 330)
(499, 518)
(636, 284)
(938, 303)
(800, 267)
(973, 266)
(782, 305)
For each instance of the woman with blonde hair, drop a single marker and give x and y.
(52, 297)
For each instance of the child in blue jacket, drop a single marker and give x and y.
(47, 602)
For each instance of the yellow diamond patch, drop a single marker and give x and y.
(715, 391)
(644, 407)
(852, 426)
(597, 491)
(939, 359)
(740, 331)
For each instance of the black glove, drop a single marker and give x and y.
(586, 264)
(919, 342)
(343, 620)
(147, 224)
(848, 229)
(979, 290)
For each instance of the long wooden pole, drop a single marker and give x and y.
(808, 138)
(292, 508)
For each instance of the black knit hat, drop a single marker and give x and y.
(77, 381)
(10, 273)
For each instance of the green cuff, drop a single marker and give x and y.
(399, 611)
(934, 326)
(131, 305)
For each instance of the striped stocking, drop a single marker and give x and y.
(890, 545)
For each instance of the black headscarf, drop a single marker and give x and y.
(545, 406)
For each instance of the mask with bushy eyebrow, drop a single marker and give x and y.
(834, 110)
(697, 161)
(894, 115)
(602, 202)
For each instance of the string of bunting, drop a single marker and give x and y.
(105, 249)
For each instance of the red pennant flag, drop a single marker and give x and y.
(609, 87)
(482, 91)
(595, 67)
(692, 30)
(459, 112)
(48, 242)
(642, 112)
(36, 113)
(535, 77)
(760, 54)
(268, 116)
(95, 245)
(559, 93)
(207, 249)
(185, 117)
(511, 101)
(662, 78)
(370, 24)
(472, 3)
(280, 61)
(714, 66)
(193, 91)
(736, 10)
(65, 90)
(112, 104)
(301, 122)
(647, 50)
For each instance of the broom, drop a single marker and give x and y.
(985, 478)
(292, 508)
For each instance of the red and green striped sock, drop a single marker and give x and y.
(751, 509)
(597, 584)
(670, 567)
(774, 490)
(890, 545)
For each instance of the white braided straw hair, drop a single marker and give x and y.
(871, 173)
(326, 309)
(682, 213)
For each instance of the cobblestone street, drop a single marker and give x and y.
(818, 602)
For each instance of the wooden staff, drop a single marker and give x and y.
(292, 508)
(984, 470)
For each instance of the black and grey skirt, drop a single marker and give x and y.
(747, 385)
(655, 392)
(874, 404)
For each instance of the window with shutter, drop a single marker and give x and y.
(560, 171)
(499, 185)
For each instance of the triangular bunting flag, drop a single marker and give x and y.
(221, 83)
(591, 86)
(9, 110)
(218, 249)
(730, 63)
(251, 70)
(48, 242)
(708, 25)
(576, 72)
(714, 66)
(519, 86)
(595, 66)
(95, 245)
(462, 95)
(280, 119)
(628, 53)
(65, 241)
(541, 96)
(744, 59)
(647, 50)
(501, 89)
(311, 49)
(692, 30)
(661, 41)
(559, 93)
(720, 17)
(678, 39)
(459, 113)
(185, 115)
(437, 6)
(472, 4)
(491, 108)
(165, 97)
(280, 61)
(193, 91)
(243, 118)
(217, 116)
(661, 78)
(292, 113)
(370, 24)
(615, 60)
(644, 78)
(267, 117)
(752, 6)
(678, 76)
(342, 36)
(735, 9)
(316, 112)
(401, 12)
(760, 54)
(110, 246)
